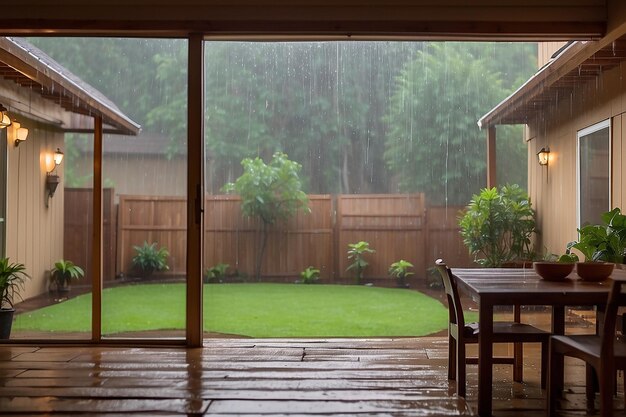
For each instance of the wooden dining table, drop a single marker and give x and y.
(490, 287)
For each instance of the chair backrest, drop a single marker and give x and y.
(455, 309)
(616, 299)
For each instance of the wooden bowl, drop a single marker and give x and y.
(553, 271)
(594, 271)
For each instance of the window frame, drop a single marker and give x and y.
(605, 124)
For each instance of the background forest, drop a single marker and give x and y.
(361, 117)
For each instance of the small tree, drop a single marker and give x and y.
(269, 192)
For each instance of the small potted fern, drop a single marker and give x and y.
(12, 280)
(63, 273)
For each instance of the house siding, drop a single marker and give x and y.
(553, 188)
(34, 234)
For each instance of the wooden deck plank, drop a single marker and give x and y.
(338, 377)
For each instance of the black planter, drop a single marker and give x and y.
(6, 321)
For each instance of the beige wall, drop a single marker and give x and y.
(545, 50)
(34, 233)
(553, 188)
(140, 174)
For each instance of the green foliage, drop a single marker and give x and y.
(12, 281)
(310, 275)
(567, 258)
(321, 103)
(216, 272)
(497, 226)
(606, 242)
(270, 192)
(356, 253)
(149, 258)
(400, 270)
(64, 271)
(433, 143)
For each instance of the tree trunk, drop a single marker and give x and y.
(261, 252)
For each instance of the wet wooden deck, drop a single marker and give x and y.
(339, 377)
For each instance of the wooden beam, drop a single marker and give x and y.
(96, 273)
(195, 187)
(491, 157)
(560, 19)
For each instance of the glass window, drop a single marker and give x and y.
(594, 167)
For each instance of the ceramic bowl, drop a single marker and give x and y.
(594, 271)
(553, 271)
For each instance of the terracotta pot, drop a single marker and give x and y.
(553, 271)
(594, 271)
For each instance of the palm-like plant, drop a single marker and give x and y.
(12, 281)
(65, 271)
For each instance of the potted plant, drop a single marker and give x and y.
(12, 280)
(601, 246)
(63, 273)
(356, 253)
(310, 275)
(554, 267)
(400, 270)
(149, 258)
(498, 226)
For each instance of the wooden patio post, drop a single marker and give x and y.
(195, 187)
(491, 157)
(96, 273)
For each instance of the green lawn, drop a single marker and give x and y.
(257, 310)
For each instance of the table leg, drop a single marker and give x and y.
(558, 327)
(485, 355)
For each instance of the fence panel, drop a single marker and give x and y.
(392, 224)
(397, 226)
(152, 219)
(78, 230)
(444, 239)
(304, 240)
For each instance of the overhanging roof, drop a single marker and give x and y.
(576, 64)
(29, 67)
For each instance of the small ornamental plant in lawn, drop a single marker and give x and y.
(356, 253)
(216, 273)
(310, 275)
(400, 270)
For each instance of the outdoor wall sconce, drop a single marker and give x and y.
(544, 156)
(20, 133)
(52, 179)
(5, 120)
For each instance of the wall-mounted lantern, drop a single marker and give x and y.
(52, 179)
(5, 120)
(19, 133)
(544, 156)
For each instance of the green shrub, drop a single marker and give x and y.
(216, 273)
(150, 258)
(400, 270)
(498, 226)
(310, 275)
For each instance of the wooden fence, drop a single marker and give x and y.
(78, 233)
(396, 226)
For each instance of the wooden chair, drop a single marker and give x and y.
(460, 334)
(602, 353)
